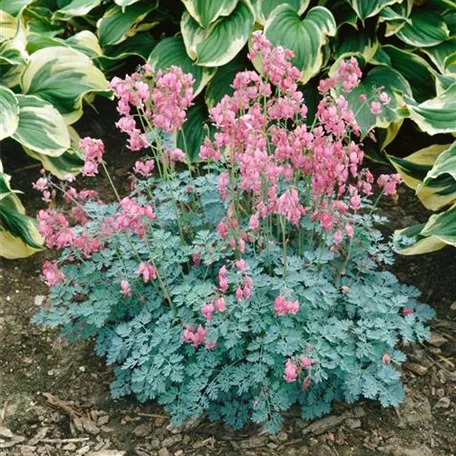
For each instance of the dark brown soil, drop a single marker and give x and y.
(34, 362)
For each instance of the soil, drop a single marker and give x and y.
(55, 400)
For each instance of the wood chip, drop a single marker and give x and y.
(323, 425)
(437, 340)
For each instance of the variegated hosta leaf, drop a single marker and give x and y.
(355, 41)
(8, 26)
(124, 3)
(424, 29)
(369, 8)
(85, 42)
(221, 84)
(63, 76)
(414, 169)
(439, 186)
(41, 127)
(379, 77)
(305, 38)
(116, 25)
(14, 7)
(75, 8)
(38, 20)
(437, 115)
(415, 69)
(205, 13)
(140, 44)
(416, 243)
(171, 51)
(343, 12)
(194, 130)
(19, 236)
(263, 8)
(222, 40)
(440, 53)
(70, 162)
(9, 113)
(436, 233)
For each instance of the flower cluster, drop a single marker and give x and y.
(251, 284)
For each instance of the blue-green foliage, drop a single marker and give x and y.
(241, 378)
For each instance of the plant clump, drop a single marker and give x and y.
(250, 282)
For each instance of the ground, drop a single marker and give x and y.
(54, 396)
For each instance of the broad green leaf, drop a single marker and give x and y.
(415, 69)
(263, 8)
(369, 8)
(14, 7)
(71, 161)
(140, 45)
(398, 12)
(439, 54)
(124, 3)
(12, 247)
(343, 12)
(13, 52)
(8, 26)
(414, 168)
(63, 76)
(116, 25)
(306, 38)
(194, 130)
(75, 8)
(221, 84)
(450, 18)
(205, 13)
(171, 51)
(442, 226)
(437, 115)
(438, 188)
(420, 244)
(222, 40)
(85, 42)
(390, 81)
(19, 236)
(443, 81)
(352, 41)
(425, 29)
(41, 127)
(9, 113)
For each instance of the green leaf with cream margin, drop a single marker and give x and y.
(117, 24)
(41, 127)
(75, 8)
(435, 234)
(222, 40)
(63, 76)
(9, 113)
(379, 79)
(205, 13)
(70, 162)
(305, 38)
(424, 29)
(19, 236)
(263, 8)
(428, 172)
(437, 115)
(171, 51)
(369, 8)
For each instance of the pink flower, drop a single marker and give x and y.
(291, 371)
(338, 237)
(376, 108)
(144, 168)
(207, 310)
(240, 265)
(125, 286)
(147, 271)
(389, 182)
(52, 274)
(219, 304)
(289, 206)
(222, 185)
(345, 289)
(198, 337)
(386, 359)
(41, 184)
(306, 362)
(239, 294)
(407, 311)
(349, 230)
(384, 98)
(283, 307)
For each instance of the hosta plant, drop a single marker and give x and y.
(251, 283)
